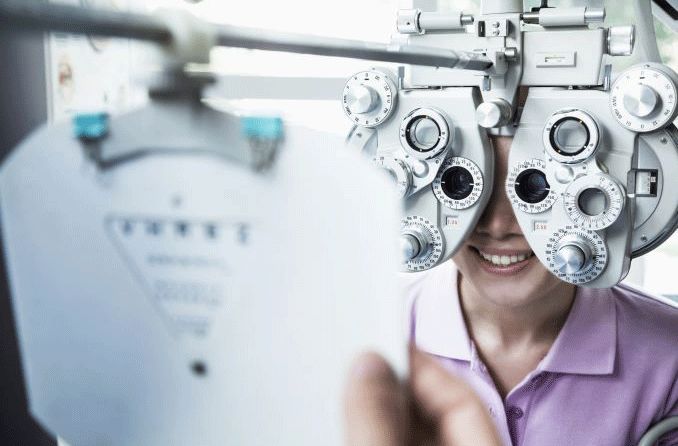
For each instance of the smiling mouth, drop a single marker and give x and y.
(503, 260)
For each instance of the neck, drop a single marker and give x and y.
(535, 322)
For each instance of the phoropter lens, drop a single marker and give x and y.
(457, 183)
(531, 186)
(569, 136)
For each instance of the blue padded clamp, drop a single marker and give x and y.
(262, 127)
(90, 126)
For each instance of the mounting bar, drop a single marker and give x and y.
(32, 15)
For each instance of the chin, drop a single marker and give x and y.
(510, 277)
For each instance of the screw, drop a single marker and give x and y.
(199, 368)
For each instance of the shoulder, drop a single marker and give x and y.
(429, 291)
(419, 284)
(644, 316)
(647, 332)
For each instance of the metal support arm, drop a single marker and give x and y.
(21, 15)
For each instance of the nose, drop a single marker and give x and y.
(498, 220)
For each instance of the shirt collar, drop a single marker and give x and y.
(586, 345)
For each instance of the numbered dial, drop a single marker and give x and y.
(528, 189)
(424, 133)
(576, 255)
(421, 243)
(399, 171)
(459, 183)
(643, 98)
(369, 98)
(571, 136)
(594, 201)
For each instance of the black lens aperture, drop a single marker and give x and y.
(531, 186)
(457, 183)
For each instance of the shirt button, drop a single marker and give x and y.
(516, 412)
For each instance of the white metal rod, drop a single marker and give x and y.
(21, 15)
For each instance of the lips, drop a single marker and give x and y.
(503, 262)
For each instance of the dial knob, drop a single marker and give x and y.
(362, 99)
(399, 171)
(644, 97)
(410, 246)
(621, 40)
(421, 243)
(594, 201)
(576, 255)
(570, 259)
(459, 183)
(494, 113)
(425, 133)
(528, 188)
(640, 100)
(369, 98)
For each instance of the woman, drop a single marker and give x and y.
(554, 364)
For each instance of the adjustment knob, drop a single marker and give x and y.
(644, 97)
(425, 133)
(421, 243)
(369, 98)
(570, 259)
(494, 113)
(399, 171)
(640, 100)
(576, 255)
(362, 99)
(410, 247)
(621, 40)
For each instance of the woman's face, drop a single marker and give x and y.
(496, 260)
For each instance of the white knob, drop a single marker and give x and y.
(621, 40)
(410, 247)
(570, 259)
(362, 99)
(425, 133)
(494, 113)
(640, 100)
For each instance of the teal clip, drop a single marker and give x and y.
(262, 128)
(90, 126)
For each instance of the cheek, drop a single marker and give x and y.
(463, 258)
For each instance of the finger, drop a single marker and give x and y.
(375, 404)
(451, 404)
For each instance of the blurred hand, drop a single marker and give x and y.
(434, 408)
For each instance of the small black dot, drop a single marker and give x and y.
(199, 368)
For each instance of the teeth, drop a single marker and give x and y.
(504, 260)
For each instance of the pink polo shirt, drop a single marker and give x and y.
(611, 374)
